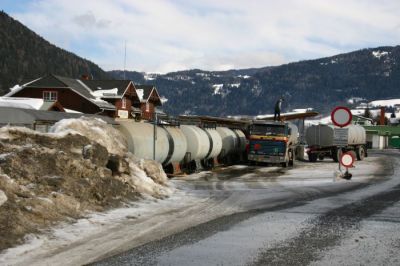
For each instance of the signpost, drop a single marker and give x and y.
(341, 116)
(347, 160)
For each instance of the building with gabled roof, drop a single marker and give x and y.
(120, 93)
(149, 100)
(113, 98)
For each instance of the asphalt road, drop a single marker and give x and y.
(298, 223)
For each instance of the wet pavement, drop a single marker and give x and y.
(287, 217)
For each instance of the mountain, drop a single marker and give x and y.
(24, 55)
(363, 75)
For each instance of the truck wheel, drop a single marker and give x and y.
(321, 157)
(360, 152)
(312, 157)
(285, 164)
(336, 154)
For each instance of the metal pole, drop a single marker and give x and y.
(154, 136)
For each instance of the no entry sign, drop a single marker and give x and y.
(341, 116)
(347, 160)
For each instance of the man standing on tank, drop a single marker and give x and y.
(278, 107)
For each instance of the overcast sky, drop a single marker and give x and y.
(163, 36)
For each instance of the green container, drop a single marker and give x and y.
(394, 142)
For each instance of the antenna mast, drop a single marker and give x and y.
(125, 60)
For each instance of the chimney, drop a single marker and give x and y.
(382, 118)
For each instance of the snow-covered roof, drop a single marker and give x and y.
(390, 102)
(105, 93)
(25, 103)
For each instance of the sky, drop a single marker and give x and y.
(169, 35)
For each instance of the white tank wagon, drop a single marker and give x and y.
(229, 141)
(328, 140)
(233, 145)
(140, 137)
(215, 143)
(198, 144)
(215, 147)
(178, 144)
(241, 141)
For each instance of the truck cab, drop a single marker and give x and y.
(272, 142)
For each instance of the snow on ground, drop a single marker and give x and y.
(217, 88)
(149, 76)
(353, 100)
(378, 54)
(90, 226)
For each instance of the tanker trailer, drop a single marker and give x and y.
(330, 141)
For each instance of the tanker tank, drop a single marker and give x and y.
(178, 145)
(198, 144)
(331, 141)
(140, 138)
(241, 141)
(229, 141)
(323, 135)
(215, 143)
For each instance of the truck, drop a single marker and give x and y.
(272, 143)
(331, 141)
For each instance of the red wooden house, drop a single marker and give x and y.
(120, 93)
(149, 100)
(113, 98)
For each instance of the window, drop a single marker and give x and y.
(50, 96)
(124, 103)
(147, 107)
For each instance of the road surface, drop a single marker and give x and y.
(306, 223)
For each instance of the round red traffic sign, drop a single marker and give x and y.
(347, 159)
(341, 116)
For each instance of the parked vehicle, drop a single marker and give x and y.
(272, 142)
(330, 141)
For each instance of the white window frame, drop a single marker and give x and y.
(147, 107)
(123, 103)
(50, 96)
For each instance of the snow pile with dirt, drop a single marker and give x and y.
(94, 129)
(82, 166)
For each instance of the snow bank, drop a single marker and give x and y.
(81, 165)
(94, 129)
(147, 177)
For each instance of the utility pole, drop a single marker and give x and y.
(125, 61)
